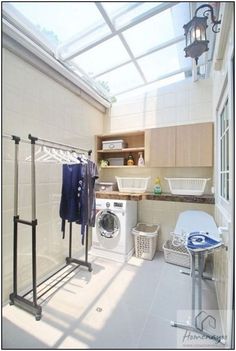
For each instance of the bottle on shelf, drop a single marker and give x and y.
(140, 160)
(130, 161)
(157, 187)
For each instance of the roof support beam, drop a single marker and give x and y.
(151, 51)
(160, 8)
(120, 35)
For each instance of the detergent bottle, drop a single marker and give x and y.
(157, 186)
(140, 160)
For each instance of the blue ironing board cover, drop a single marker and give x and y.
(201, 241)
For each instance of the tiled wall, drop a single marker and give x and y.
(179, 103)
(165, 214)
(34, 103)
(222, 267)
(108, 175)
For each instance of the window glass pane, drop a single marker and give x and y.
(226, 115)
(227, 150)
(122, 14)
(223, 153)
(121, 79)
(222, 186)
(59, 21)
(164, 27)
(162, 62)
(227, 186)
(102, 57)
(222, 126)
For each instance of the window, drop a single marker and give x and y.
(224, 152)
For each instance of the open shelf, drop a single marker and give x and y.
(106, 167)
(128, 149)
(135, 142)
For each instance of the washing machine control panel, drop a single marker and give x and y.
(118, 204)
(108, 204)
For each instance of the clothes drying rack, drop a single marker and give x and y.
(15, 299)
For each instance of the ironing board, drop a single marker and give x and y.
(192, 221)
(196, 221)
(198, 243)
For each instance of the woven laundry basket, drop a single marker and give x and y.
(145, 240)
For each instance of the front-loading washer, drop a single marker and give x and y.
(112, 236)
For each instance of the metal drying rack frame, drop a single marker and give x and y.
(15, 299)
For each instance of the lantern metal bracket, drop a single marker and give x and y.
(213, 20)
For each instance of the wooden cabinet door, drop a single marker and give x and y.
(160, 147)
(194, 145)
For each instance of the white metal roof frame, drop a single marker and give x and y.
(11, 15)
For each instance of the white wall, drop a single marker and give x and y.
(183, 102)
(165, 213)
(34, 103)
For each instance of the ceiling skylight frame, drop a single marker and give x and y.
(148, 52)
(111, 26)
(90, 79)
(141, 18)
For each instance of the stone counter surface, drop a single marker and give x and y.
(116, 195)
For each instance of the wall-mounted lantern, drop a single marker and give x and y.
(195, 33)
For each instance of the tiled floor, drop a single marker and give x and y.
(116, 306)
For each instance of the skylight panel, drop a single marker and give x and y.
(152, 86)
(163, 62)
(121, 79)
(139, 38)
(124, 13)
(59, 21)
(157, 29)
(102, 57)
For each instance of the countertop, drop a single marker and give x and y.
(116, 195)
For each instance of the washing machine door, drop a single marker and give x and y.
(108, 224)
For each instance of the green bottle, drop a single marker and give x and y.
(157, 187)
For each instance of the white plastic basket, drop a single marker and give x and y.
(176, 254)
(187, 186)
(132, 185)
(145, 240)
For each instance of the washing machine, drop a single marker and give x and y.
(112, 236)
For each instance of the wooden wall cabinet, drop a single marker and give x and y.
(180, 146)
(160, 147)
(194, 145)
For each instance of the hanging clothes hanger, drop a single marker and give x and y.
(83, 158)
(73, 158)
(49, 156)
(28, 158)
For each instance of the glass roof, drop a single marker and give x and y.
(115, 46)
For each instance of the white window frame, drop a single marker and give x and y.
(226, 94)
(221, 136)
